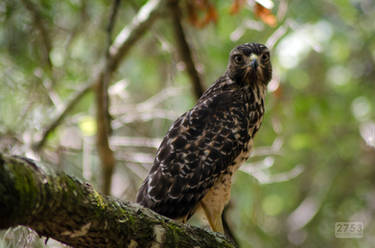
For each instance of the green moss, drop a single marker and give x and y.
(99, 200)
(25, 184)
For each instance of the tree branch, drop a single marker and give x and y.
(46, 41)
(80, 25)
(135, 30)
(184, 48)
(105, 152)
(46, 47)
(103, 119)
(62, 114)
(112, 20)
(122, 44)
(61, 207)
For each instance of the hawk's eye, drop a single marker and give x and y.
(238, 59)
(265, 57)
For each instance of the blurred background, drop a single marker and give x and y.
(314, 159)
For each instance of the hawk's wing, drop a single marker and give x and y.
(199, 146)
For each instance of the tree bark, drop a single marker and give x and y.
(61, 207)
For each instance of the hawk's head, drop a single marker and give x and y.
(250, 62)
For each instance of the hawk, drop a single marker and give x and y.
(195, 162)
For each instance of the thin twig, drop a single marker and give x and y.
(150, 103)
(276, 35)
(274, 149)
(46, 47)
(112, 21)
(125, 141)
(158, 98)
(134, 31)
(146, 110)
(264, 177)
(144, 116)
(62, 113)
(283, 9)
(80, 25)
(46, 41)
(136, 157)
(184, 48)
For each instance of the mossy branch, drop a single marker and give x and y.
(61, 207)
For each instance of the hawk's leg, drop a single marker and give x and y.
(214, 201)
(214, 218)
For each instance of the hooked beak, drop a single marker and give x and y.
(253, 61)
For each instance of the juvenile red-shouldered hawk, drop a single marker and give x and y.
(195, 162)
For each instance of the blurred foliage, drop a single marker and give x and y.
(314, 161)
